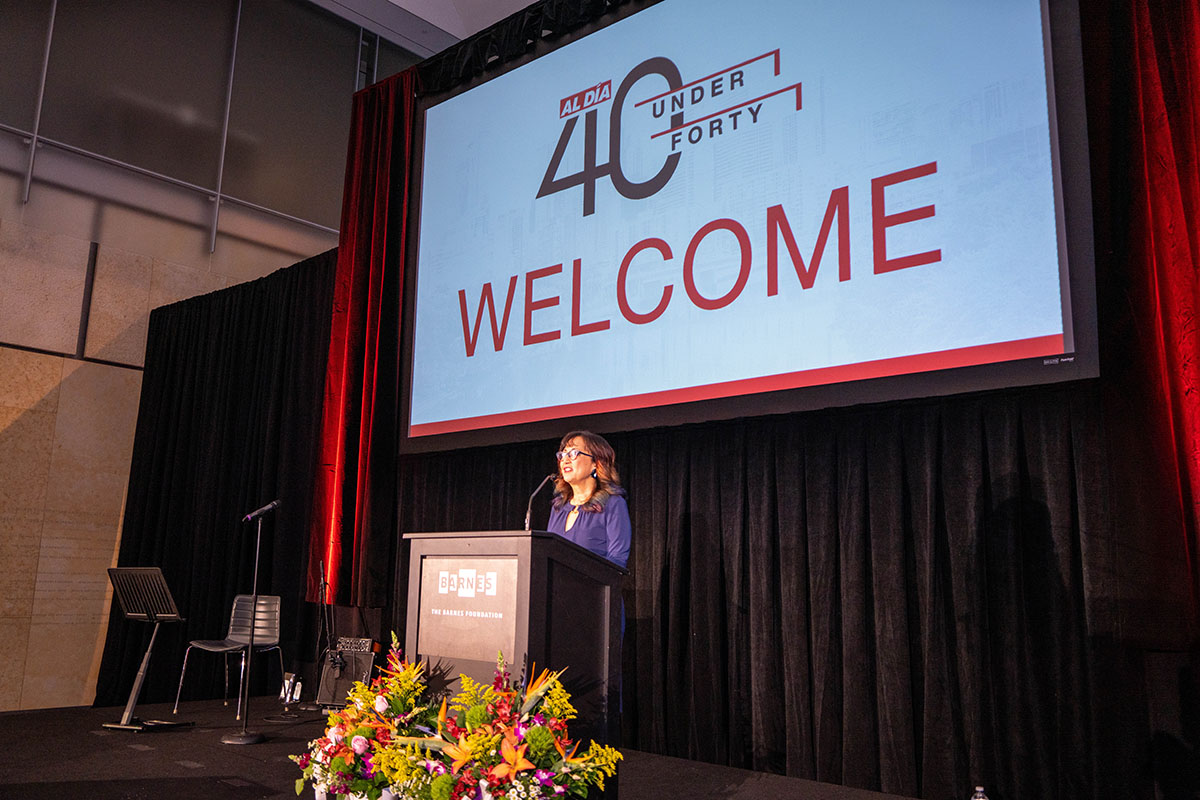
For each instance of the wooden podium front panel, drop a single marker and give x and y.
(456, 625)
(468, 607)
(536, 597)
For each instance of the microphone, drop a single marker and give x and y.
(268, 508)
(529, 508)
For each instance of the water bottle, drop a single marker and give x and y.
(979, 795)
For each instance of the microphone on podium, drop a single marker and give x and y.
(529, 508)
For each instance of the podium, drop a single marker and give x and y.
(533, 596)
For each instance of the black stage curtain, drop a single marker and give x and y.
(229, 417)
(888, 597)
(530, 32)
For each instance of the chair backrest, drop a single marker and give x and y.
(266, 621)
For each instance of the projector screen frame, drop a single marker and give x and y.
(1072, 187)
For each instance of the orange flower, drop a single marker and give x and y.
(513, 760)
(536, 683)
(460, 754)
(538, 687)
(567, 758)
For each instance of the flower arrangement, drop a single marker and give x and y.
(488, 741)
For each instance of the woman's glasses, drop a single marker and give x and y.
(572, 454)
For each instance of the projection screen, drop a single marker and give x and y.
(708, 202)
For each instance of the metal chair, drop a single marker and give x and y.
(266, 637)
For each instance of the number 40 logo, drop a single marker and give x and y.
(593, 171)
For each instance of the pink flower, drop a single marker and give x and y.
(336, 734)
(381, 704)
(359, 744)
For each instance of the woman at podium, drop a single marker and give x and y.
(589, 504)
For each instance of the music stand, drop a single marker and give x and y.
(144, 596)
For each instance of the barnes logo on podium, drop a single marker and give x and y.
(467, 582)
(468, 607)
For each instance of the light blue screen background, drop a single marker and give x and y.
(886, 86)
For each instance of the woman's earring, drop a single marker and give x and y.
(594, 475)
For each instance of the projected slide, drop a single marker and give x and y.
(707, 200)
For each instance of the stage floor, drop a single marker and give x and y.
(66, 753)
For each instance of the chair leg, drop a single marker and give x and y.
(182, 672)
(279, 650)
(225, 697)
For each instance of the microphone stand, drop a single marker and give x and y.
(245, 737)
(325, 622)
(529, 507)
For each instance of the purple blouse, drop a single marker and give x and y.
(606, 532)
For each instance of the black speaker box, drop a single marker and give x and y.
(339, 671)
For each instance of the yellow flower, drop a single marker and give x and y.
(473, 694)
(399, 763)
(603, 759)
(558, 701)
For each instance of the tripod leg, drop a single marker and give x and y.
(127, 717)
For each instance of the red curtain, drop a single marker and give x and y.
(358, 419)
(1166, 232)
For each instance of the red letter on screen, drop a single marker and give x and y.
(777, 224)
(689, 281)
(576, 327)
(881, 221)
(532, 305)
(470, 338)
(623, 299)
